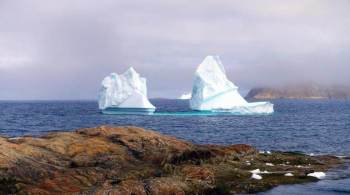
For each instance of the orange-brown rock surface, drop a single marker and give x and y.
(131, 160)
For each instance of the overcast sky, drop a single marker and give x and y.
(63, 49)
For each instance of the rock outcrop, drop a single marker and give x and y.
(131, 160)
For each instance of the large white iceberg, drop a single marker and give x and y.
(124, 92)
(212, 91)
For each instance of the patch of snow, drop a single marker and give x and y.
(264, 152)
(256, 171)
(269, 164)
(341, 156)
(318, 175)
(15, 138)
(289, 174)
(256, 176)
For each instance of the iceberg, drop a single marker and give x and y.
(212, 91)
(124, 93)
(185, 96)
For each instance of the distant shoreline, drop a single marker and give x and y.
(301, 91)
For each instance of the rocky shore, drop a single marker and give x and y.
(131, 160)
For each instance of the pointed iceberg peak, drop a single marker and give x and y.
(131, 71)
(212, 62)
(212, 91)
(211, 88)
(124, 91)
(211, 70)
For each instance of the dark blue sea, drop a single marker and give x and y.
(314, 126)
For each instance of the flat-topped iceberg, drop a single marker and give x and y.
(124, 93)
(212, 91)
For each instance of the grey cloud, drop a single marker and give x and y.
(62, 50)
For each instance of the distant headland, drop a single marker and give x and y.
(300, 91)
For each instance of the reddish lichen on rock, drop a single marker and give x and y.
(131, 160)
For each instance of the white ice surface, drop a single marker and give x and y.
(127, 90)
(185, 96)
(256, 171)
(212, 91)
(318, 175)
(289, 175)
(256, 176)
(269, 164)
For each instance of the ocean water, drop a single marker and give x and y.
(317, 126)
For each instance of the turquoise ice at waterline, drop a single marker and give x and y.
(142, 111)
(190, 113)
